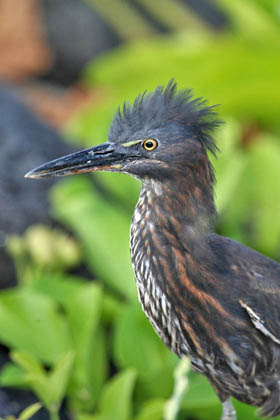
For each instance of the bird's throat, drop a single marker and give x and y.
(188, 201)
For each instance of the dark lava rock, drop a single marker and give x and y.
(77, 33)
(25, 142)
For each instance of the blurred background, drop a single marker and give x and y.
(73, 338)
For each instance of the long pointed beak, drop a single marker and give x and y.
(100, 158)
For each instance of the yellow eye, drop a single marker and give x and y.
(150, 144)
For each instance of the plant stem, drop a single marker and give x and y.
(54, 414)
(180, 385)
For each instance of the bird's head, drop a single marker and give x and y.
(161, 134)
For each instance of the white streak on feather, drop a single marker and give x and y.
(258, 322)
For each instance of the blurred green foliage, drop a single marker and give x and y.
(89, 342)
(26, 414)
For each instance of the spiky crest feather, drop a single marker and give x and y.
(162, 106)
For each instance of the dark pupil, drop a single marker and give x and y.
(149, 144)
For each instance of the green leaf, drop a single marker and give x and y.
(214, 65)
(112, 308)
(83, 303)
(251, 20)
(103, 229)
(125, 188)
(255, 199)
(86, 416)
(31, 322)
(200, 393)
(12, 375)
(83, 312)
(245, 411)
(35, 375)
(264, 173)
(230, 165)
(152, 410)
(153, 361)
(116, 399)
(29, 412)
(59, 377)
(62, 287)
(58, 286)
(27, 362)
(98, 366)
(229, 171)
(49, 386)
(200, 400)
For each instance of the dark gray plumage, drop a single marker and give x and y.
(163, 106)
(207, 297)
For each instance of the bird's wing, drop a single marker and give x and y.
(258, 322)
(256, 279)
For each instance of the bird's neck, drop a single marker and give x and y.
(188, 199)
(172, 218)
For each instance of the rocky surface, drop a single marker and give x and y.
(25, 142)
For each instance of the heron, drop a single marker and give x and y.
(208, 297)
